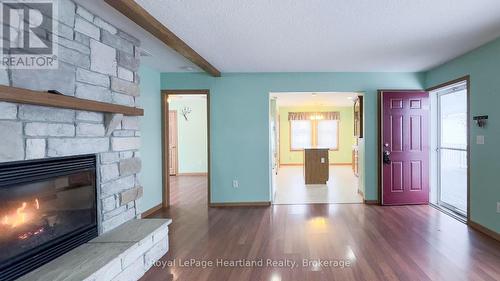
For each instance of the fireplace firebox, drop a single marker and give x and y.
(47, 208)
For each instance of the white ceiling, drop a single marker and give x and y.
(319, 35)
(314, 98)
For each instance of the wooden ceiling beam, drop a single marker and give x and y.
(141, 17)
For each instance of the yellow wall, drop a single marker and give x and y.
(346, 135)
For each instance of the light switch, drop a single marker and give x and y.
(322, 160)
(479, 139)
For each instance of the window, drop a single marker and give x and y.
(328, 134)
(300, 134)
(314, 134)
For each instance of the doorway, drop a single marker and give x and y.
(404, 147)
(185, 145)
(451, 147)
(304, 125)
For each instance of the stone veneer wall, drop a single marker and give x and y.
(97, 62)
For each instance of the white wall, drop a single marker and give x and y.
(192, 134)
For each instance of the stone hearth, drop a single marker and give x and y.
(124, 253)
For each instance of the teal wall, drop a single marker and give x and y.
(192, 134)
(240, 125)
(483, 66)
(240, 122)
(151, 174)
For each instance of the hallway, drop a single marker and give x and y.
(188, 190)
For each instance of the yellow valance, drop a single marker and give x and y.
(332, 115)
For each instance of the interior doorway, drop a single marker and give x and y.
(186, 153)
(315, 141)
(450, 189)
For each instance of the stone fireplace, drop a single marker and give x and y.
(97, 62)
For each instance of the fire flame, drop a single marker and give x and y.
(27, 235)
(20, 217)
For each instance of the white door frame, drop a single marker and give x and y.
(461, 86)
(433, 91)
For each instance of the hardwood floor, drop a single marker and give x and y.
(188, 190)
(380, 243)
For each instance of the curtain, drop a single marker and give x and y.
(332, 115)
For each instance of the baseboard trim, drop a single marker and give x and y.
(149, 212)
(331, 164)
(192, 174)
(484, 230)
(240, 204)
(371, 202)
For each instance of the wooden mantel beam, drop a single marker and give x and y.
(141, 17)
(26, 96)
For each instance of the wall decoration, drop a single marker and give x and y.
(185, 112)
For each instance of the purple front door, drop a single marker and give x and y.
(405, 147)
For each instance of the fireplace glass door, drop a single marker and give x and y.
(43, 207)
